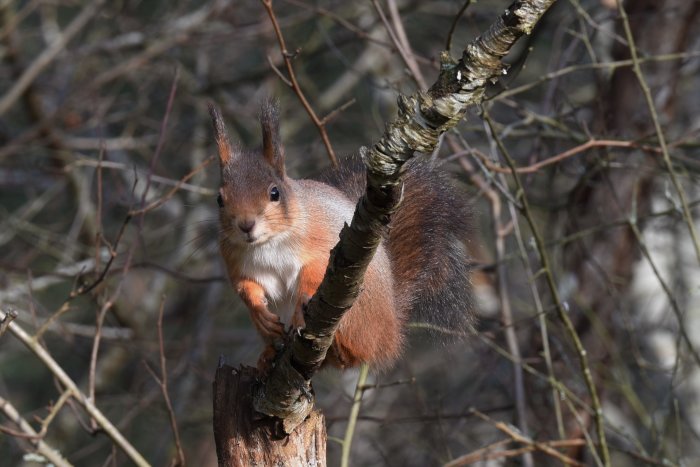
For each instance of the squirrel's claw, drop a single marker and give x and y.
(298, 322)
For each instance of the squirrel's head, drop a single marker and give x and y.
(255, 198)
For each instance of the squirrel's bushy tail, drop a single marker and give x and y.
(427, 244)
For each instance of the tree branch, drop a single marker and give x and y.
(117, 437)
(422, 118)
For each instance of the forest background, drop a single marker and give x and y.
(108, 256)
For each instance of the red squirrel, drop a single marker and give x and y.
(276, 234)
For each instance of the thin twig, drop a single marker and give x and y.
(455, 20)
(354, 412)
(659, 131)
(106, 306)
(179, 183)
(554, 291)
(83, 289)
(493, 451)
(543, 447)
(540, 317)
(405, 44)
(47, 56)
(162, 382)
(162, 200)
(500, 233)
(335, 112)
(559, 157)
(278, 72)
(294, 84)
(55, 408)
(98, 216)
(78, 395)
(161, 143)
(592, 66)
(404, 54)
(27, 432)
(667, 290)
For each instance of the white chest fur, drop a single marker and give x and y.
(275, 265)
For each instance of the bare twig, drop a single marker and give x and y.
(659, 131)
(354, 412)
(404, 42)
(294, 84)
(494, 451)
(500, 233)
(402, 48)
(78, 395)
(278, 72)
(541, 319)
(83, 289)
(335, 112)
(174, 32)
(27, 432)
(106, 306)
(561, 310)
(613, 65)
(667, 290)
(543, 447)
(559, 157)
(163, 383)
(161, 142)
(455, 20)
(6, 320)
(178, 186)
(48, 55)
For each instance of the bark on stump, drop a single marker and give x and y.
(244, 439)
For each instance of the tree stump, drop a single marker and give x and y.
(245, 438)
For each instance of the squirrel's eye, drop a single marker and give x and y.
(220, 201)
(274, 194)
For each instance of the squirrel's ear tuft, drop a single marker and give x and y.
(270, 123)
(222, 141)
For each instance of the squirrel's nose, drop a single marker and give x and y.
(246, 225)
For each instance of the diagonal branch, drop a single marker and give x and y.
(422, 118)
(48, 55)
(294, 84)
(113, 432)
(50, 453)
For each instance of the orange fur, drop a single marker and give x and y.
(268, 324)
(276, 237)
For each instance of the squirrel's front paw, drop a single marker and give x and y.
(269, 325)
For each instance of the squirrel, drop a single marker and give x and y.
(276, 234)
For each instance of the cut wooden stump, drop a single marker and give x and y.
(245, 438)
